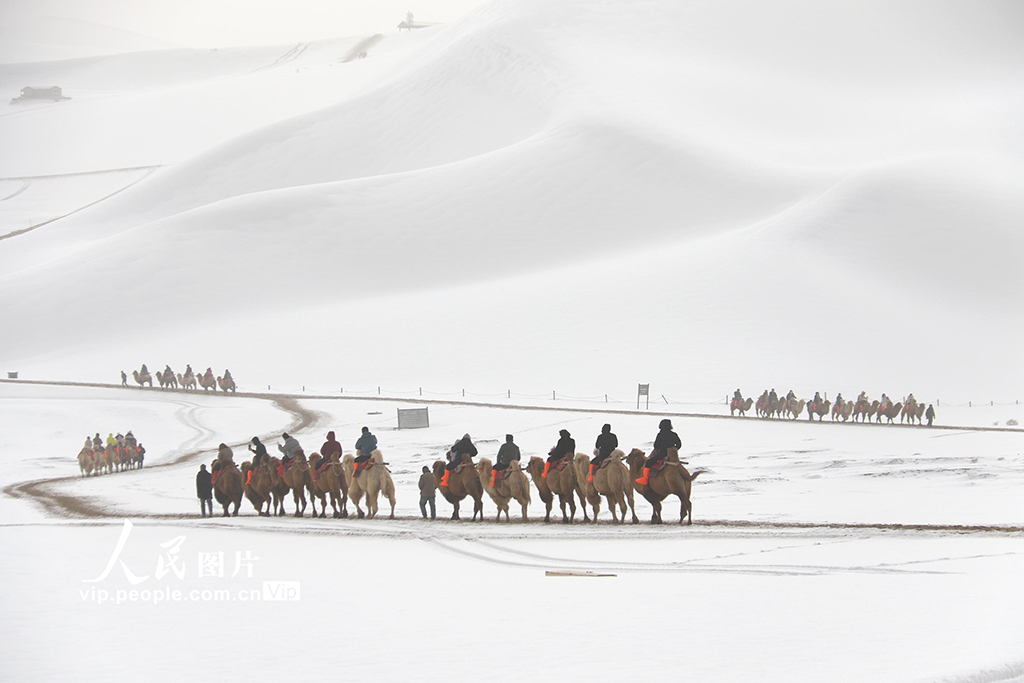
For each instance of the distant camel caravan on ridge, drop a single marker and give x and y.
(167, 379)
(769, 405)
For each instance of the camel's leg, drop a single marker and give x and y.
(685, 511)
(478, 508)
(455, 513)
(524, 511)
(391, 499)
(547, 514)
(572, 508)
(611, 506)
(561, 502)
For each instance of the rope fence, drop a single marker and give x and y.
(554, 395)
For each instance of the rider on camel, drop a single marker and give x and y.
(330, 448)
(463, 446)
(129, 439)
(506, 454)
(665, 440)
(566, 446)
(259, 452)
(290, 448)
(366, 444)
(605, 444)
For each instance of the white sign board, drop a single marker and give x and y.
(413, 418)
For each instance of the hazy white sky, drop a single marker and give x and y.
(222, 23)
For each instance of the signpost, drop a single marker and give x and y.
(643, 390)
(413, 418)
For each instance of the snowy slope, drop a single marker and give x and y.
(587, 195)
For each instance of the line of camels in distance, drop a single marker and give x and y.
(768, 405)
(614, 480)
(168, 379)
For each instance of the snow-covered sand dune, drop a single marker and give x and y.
(838, 187)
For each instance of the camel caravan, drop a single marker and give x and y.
(334, 480)
(119, 453)
(168, 379)
(769, 405)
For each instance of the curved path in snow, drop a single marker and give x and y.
(48, 494)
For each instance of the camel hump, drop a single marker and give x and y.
(673, 454)
(618, 454)
(377, 456)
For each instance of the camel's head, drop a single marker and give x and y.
(438, 469)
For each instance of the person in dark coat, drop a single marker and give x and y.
(366, 444)
(665, 440)
(506, 454)
(330, 448)
(463, 446)
(930, 414)
(259, 452)
(124, 379)
(427, 487)
(204, 490)
(566, 446)
(605, 444)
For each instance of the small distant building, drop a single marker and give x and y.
(411, 23)
(29, 93)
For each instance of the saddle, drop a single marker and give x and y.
(501, 475)
(321, 466)
(601, 465)
(559, 465)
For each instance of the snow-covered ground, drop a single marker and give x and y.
(819, 552)
(514, 219)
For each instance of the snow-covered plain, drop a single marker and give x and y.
(571, 197)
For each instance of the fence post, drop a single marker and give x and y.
(970, 405)
(606, 398)
(553, 395)
(303, 387)
(510, 393)
(378, 391)
(463, 393)
(421, 391)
